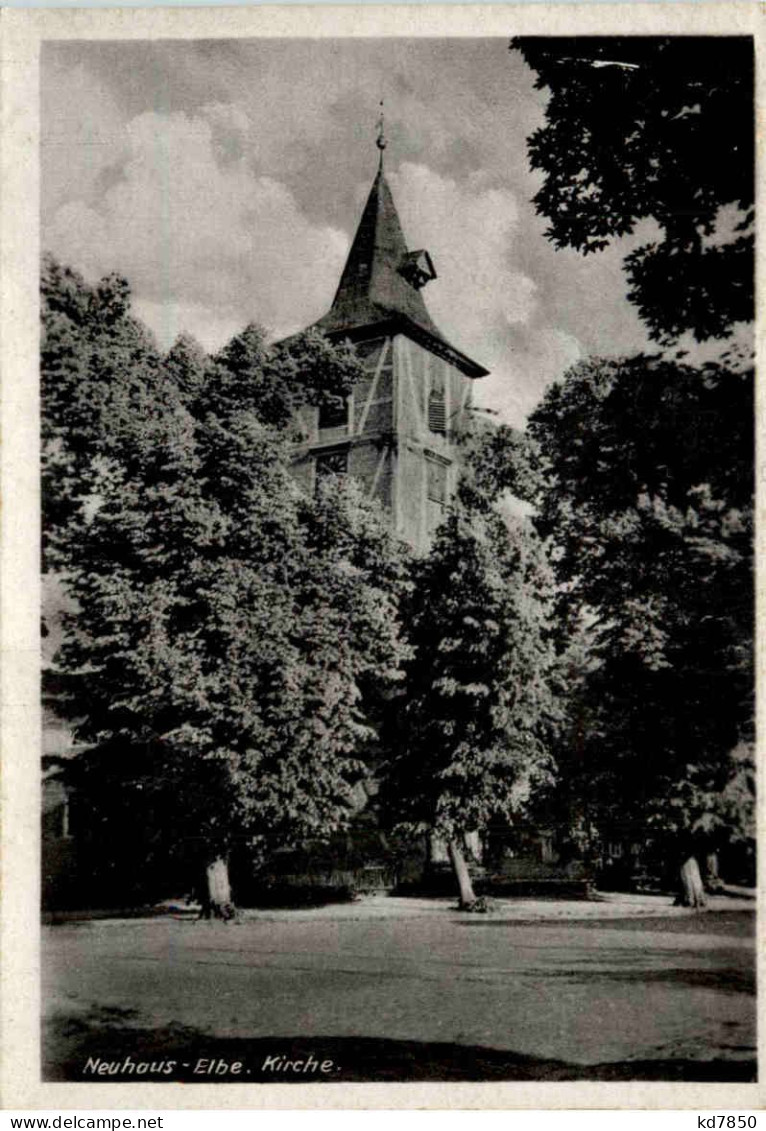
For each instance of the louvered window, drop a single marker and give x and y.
(437, 413)
(437, 409)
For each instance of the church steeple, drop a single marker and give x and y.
(382, 281)
(397, 433)
(372, 283)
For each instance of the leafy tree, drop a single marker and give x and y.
(101, 371)
(94, 358)
(659, 128)
(474, 726)
(646, 493)
(226, 624)
(187, 366)
(499, 463)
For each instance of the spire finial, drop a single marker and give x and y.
(380, 140)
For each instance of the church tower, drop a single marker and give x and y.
(397, 431)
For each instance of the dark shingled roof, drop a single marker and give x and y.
(374, 293)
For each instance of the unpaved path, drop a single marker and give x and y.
(575, 991)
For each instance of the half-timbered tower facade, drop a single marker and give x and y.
(397, 432)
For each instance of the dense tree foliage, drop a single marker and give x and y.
(499, 463)
(226, 625)
(477, 717)
(646, 491)
(658, 128)
(642, 469)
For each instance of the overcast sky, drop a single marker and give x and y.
(225, 179)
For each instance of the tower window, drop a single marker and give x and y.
(437, 407)
(437, 412)
(437, 493)
(333, 412)
(417, 268)
(330, 463)
(436, 481)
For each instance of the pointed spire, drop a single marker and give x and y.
(382, 280)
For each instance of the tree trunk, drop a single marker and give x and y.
(460, 868)
(692, 893)
(216, 895)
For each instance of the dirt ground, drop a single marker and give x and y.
(407, 990)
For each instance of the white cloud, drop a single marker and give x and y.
(524, 370)
(201, 238)
(228, 205)
(209, 246)
(228, 116)
(470, 234)
(169, 319)
(480, 301)
(82, 135)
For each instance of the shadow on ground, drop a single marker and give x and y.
(738, 924)
(74, 1049)
(730, 980)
